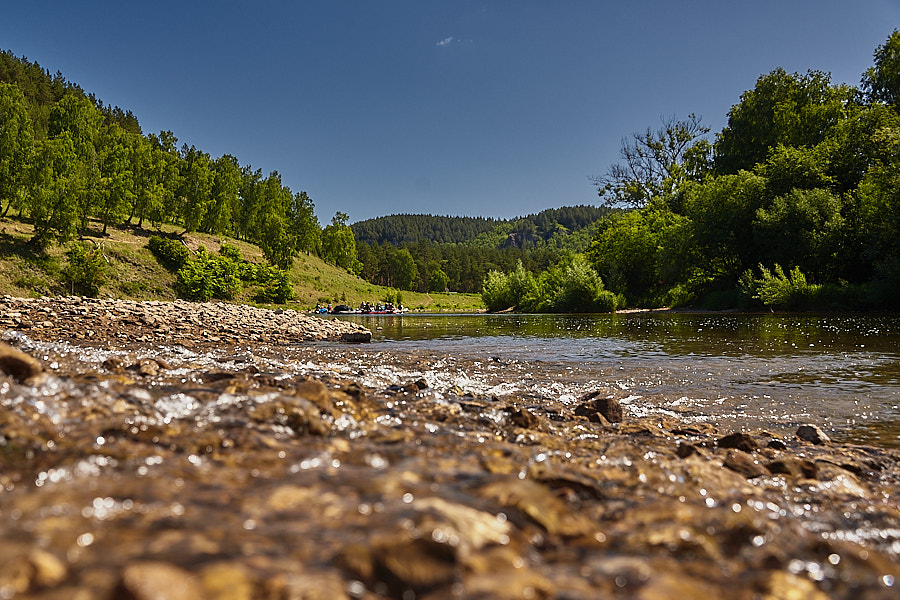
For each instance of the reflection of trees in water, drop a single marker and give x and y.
(675, 334)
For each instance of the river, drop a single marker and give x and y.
(760, 371)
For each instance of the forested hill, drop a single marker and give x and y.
(42, 90)
(397, 229)
(400, 229)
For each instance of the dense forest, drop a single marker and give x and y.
(68, 163)
(434, 253)
(794, 204)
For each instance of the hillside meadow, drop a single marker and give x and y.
(132, 271)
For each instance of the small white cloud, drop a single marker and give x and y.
(445, 42)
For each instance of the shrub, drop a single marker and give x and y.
(775, 289)
(171, 254)
(495, 292)
(86, 270)
(230, 251)
(208, 276)
(570, 286)
(276, 287)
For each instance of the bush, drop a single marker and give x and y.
(208, 276)
(230, 251)
(276, 288)
(171, 254)
(775, 289)
(495, 292)
(571, 286)
(86, 270)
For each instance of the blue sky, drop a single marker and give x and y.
(463, 107)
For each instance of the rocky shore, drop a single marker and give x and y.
(77, 318)
(140, 463)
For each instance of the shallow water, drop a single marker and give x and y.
(751, 371)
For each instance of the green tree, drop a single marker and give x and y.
(226, 182)
(16, 146)
(304, 225)
(801, 228)
(402, 268)
(278, 244)
(656, 163)
(195, 191)
(636, 253)
(881, 82)
(879, 196)
(784, 108)
(52, 201)
(788, 168)
(438, 280)
(76, 116)
(116, 176)
(339, 244)
(722, 210)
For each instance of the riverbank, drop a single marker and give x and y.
(204, 323)
(140, 467)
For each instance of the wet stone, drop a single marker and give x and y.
(155, 581)
(812, 434)
(524, 418)
(743, 463)
(740, 441)
(593, 403)
(17, 364)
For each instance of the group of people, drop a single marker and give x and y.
(364, 308)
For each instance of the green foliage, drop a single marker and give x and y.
(881, 82)
(275, 286)
(208, 276)
(775, 289)
(16, 146)
(656, 164)
(438, 281)
(495, 293)
(790, 109)
(86, 270)
(638, 252)
(802, 228)
(171, 253)
(230, 251)
(339, 245)
(571, 286)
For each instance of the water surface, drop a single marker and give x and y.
(746, 371)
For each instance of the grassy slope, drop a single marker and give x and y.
(135, 274)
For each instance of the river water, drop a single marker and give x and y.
(736, 371)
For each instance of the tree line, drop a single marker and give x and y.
(794, 204)
(67, 161)
(436, 253)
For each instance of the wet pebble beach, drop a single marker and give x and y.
(177, 450)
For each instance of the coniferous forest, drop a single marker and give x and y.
(792, 205)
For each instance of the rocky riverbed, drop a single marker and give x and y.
(172, 454)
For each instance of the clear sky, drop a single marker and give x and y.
(457, 107)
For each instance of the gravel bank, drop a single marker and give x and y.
(123, 321)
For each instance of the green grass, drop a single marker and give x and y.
(134, 273)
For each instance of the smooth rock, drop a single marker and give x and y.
(812, 434)
(17, 364)
(739, 441)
